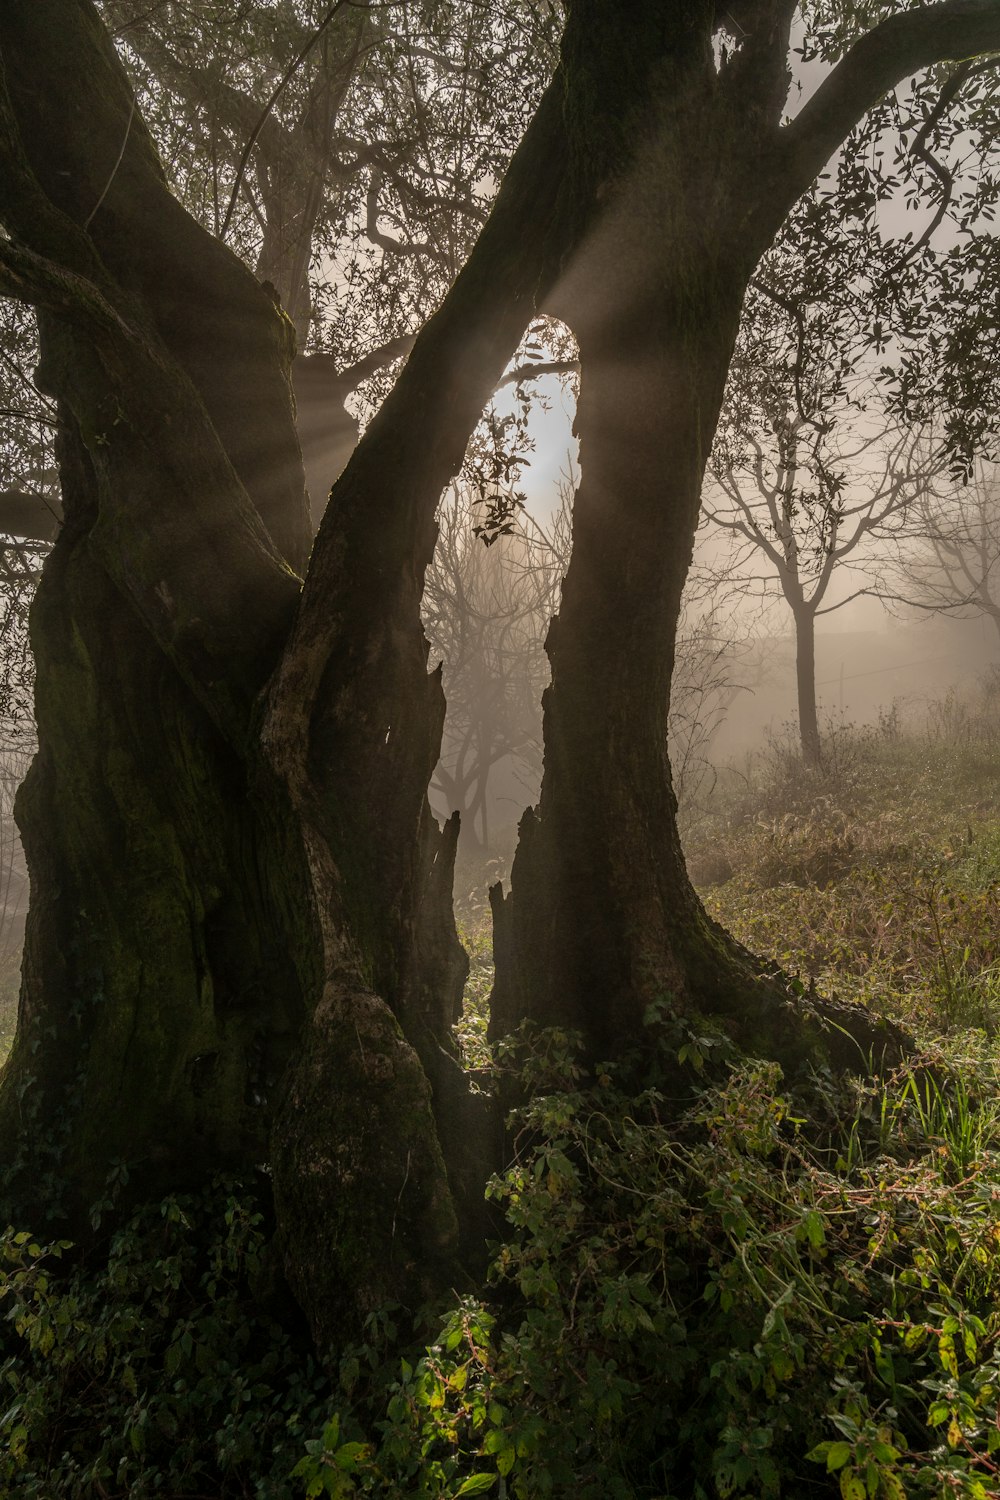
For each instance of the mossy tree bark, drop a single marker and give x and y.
(151, 1021)
(192, 930)
(240, 945)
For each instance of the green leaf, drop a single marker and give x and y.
(837, 1456)
(476, 1484)
(851, 1486)
(814, 1228)
(348, 1454)
(884, 1452)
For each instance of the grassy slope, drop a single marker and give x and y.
(878, 878)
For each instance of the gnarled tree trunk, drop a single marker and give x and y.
(240, 946)
(179, 939)
(601, 920)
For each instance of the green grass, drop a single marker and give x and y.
(877, 878)
(477, 939)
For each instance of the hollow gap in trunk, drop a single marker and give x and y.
(504, 538)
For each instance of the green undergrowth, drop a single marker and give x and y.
(755, 1294)
(766, 1297)
(470, 1031)
(149, 1367)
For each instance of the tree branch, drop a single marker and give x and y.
(397, 348)
(276, 93)
(34, 279)
(951, 31)
(536, 371)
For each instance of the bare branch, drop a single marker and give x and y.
(276, 94)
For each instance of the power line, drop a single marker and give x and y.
(928, 661)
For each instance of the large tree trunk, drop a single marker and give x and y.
(359, 707)
(179, 938)
(241, 945)
(170, 941)
(602, 922)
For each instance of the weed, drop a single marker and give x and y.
(716, 1305)
(150, 1368)
(470, 1030)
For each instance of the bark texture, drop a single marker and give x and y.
(241, 945)
(171, 942)
(176, 937)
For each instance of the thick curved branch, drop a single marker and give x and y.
(951, 31)
(378, 532)
(213, 557)
(349, 380)
(435, 202)
(190, 288)
(213, 568)
(39, 282)
(386, 241)
(175, 525)
(538, 369)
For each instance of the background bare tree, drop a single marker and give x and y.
(950, 562)
(711, 643)
(486, 611)
(811, 478)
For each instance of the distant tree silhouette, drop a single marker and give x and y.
(951, 561)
